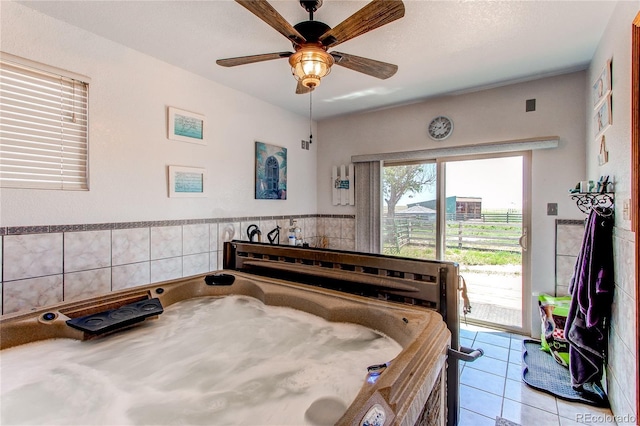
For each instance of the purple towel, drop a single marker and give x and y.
(591, 291)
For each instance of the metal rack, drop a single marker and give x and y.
(602, 202)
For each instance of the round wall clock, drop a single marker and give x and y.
(440, 128)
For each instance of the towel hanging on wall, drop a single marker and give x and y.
(591, 290)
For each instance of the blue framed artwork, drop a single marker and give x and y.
(271, 172)
(187, 182)
(185, 126)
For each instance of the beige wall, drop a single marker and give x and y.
(482, 117)
(125, 231)
(129, 149)
(615, 45)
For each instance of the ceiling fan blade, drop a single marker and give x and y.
(372, 16)
(263, 10)
(301, 90)
(367, 66)
(242, 60)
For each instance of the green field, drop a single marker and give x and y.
(461, 256)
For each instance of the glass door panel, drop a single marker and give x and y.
(484, 233)
(481, 201)
(409, 210)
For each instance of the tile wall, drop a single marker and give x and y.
(42, 265)
(623, 360)
(569, 235)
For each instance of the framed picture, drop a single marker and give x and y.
(271, 172)
(602, 119)
(602, 86)
(187, 182)
(603, 155)
(185, 126)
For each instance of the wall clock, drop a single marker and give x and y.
(440, 128)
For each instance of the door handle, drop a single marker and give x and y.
(466, 354)
(523, 240)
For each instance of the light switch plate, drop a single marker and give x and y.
(552, 209)
(626, 209)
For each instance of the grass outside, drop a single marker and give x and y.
(461, 256)
(483, 229)
(493, 279)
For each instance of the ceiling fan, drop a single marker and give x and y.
(311, 39)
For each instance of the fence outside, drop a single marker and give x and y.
(479, 234)
(506, 217)
(495, 290)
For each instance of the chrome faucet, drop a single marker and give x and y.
(252, 231)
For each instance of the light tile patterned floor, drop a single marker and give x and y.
(492, 386)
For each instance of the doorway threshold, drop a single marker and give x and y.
(493, 316)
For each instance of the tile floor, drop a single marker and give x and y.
(492, 386)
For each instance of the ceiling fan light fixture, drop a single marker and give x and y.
(310, 64)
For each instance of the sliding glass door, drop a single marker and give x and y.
(471, 211)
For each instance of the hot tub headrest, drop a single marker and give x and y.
(114, 319)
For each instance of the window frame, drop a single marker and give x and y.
(72, 165)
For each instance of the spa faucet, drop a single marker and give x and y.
(252, 231)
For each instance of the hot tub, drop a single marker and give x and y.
(391, 298)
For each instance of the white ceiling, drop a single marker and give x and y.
(440, 47)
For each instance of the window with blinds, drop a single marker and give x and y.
(43, 129)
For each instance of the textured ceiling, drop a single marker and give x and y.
(440, 47)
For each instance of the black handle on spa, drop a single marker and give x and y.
(466, 354)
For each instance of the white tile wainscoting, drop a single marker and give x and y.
(622, 357)
(42, 265)
(569, 234)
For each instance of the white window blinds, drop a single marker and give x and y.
(43, 129)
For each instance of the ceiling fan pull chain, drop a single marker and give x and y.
(310, 118)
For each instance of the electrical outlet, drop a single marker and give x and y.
(552, 209)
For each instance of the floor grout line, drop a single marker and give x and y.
(503, 398)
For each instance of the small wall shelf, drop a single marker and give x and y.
(586, 201)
